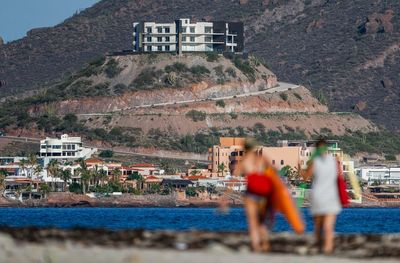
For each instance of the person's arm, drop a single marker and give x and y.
(309, 171)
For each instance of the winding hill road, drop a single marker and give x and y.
(282, 87)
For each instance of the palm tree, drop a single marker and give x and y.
(194, 172)
(221, 168)
(45, 189)
(3, 175)
(85, 179)
(53, 169)
(22, 165)
(31, 164)
(65, 176)
(116, 174)
(84, 174)
(102, 176)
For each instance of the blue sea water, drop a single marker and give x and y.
(351, 220)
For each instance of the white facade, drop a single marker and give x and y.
(184, 35)
(157, 37)
(383, 175)
(65, 148)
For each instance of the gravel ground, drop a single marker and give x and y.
(60, 252)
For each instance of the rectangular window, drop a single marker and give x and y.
(73, 147)
(282, 162)
(159, 29)
(192, 29)
(184, 39)
(192, 39)
(148, 29)
(159, 48)
(159, 39)
(167, 39)
(167, 30)
(148, 39)
(183, 29)
(273, 161)
(208, 29)
(148, 48)
(208, 39)
(167, 48)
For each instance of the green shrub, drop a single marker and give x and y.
(196, 115)
(212, 56)
(75, 188)
(297, 95)
(246, 68)
(233, 115)
(220, 103)
(106, 154)
(112, 69)
(199, 70)
(177, 67)
(191, 191)
(98, 62)
(284, 96)
(231, 72)
(219, 72)
(390, 157)
(120, 89)
(147, 78)
(322, 98)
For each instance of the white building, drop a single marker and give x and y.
(382, 175)
(65, 148)
(184, 35)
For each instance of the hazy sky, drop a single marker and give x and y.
(19, 16)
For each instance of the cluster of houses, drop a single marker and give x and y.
(20, 173)
(69, 153)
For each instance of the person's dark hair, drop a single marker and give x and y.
(321, 142)
(249, 144)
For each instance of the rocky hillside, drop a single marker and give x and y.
(179, 103)
(345, 51)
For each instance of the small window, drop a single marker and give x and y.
(184, 39)
(167, 39)
(167, 48)
(282, 162)
(183, 29)
(192, 29)
(208, 39)
(148, 48)
(208, 29)
(159, 29)
(148, 39)
(159, 48)
(192, 39)
(273, 161)
(167, 30)
(148, 30)
(159, 39)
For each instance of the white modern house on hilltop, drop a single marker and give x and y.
(65, 148)
(184, 35)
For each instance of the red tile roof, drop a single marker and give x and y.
(151, 177)
(93, 161)
(196, 177)
(149, 165)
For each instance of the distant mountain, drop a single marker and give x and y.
(345, 51)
